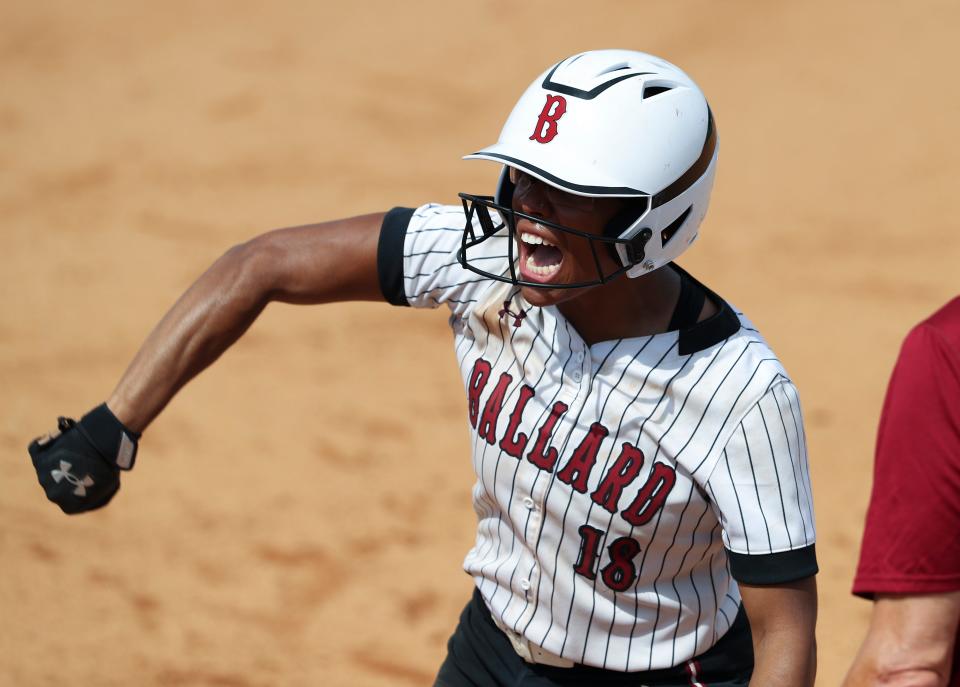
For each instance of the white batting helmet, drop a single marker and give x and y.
(618, 123)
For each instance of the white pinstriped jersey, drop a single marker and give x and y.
(622, 487)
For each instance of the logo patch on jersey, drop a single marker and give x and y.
(517, 316)
(553, 110)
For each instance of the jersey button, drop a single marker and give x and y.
(528, 503)
(525, 585)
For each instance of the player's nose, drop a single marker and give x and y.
(532, 199)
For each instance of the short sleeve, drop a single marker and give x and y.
(760, 492)
(417, 258)
(911, 541)
(393, 232)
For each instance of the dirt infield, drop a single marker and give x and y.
(299, 514)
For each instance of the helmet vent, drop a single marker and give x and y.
(615, 68)
(671, 229)
(651, 91)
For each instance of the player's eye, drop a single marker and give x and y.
(524, 184)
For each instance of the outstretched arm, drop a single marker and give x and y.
(78, 465)
(910, 642)
(319, 263)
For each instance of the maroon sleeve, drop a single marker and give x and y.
(911, 543)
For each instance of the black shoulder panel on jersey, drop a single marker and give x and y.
(774, 568)
(390, 255)
(701, 335)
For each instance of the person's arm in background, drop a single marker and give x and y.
(910, 642)
(783, 619)
(910, 556)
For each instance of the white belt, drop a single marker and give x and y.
(530, 652)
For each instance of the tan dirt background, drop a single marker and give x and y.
(299, 514)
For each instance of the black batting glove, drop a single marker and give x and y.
(79, 465)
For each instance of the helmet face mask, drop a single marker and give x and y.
(608, 123)
(501, 224)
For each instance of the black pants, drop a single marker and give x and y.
(480, 655)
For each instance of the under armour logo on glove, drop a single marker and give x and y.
(517, 317)
(79, 465)
(64, 473)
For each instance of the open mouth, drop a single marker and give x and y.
(539, 257)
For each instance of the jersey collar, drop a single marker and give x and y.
(699, 336)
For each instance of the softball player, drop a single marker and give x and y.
(643, 496)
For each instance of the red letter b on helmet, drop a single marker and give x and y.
(553, 110)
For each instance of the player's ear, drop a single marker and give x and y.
(505, 188)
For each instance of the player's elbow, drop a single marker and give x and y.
(910, 677)
(914, 669)
(254, 268)
(890, 670)
(910, 642)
